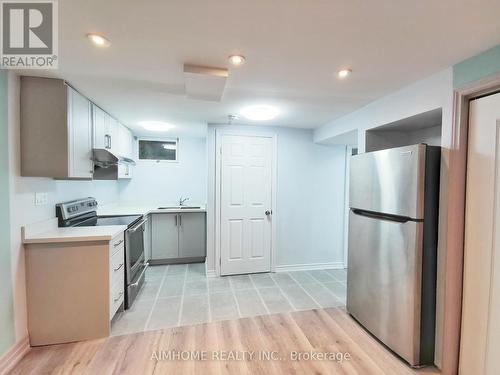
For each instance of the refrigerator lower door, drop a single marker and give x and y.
(384, 281)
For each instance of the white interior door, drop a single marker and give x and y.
(246, 187)
(481, 299)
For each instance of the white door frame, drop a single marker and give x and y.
(219, 133)
(455, 216)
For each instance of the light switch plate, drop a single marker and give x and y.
(41, 199)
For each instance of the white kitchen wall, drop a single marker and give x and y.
(310, 199)
(163, 183)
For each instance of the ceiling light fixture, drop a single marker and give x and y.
(237, 60)
(156, 126)
(99, 40)
(260, 112)
(343, 73)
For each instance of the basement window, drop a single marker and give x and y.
(158, 150)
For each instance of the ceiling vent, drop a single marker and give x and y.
(205, 83)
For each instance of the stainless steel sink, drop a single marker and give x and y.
(180, 207)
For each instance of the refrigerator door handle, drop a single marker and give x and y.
(380, 216)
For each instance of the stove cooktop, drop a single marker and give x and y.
(99, 221)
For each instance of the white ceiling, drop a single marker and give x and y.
(293, 48)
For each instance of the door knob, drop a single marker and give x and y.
(268, 212)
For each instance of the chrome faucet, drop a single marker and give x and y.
(182, 201)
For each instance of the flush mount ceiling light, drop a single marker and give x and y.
(236, 60)
(99, 40)
(260, 112)
(343, 73)
(156, 126)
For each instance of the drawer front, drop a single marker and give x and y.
(117, 243)
(117, 268)
(116, 297)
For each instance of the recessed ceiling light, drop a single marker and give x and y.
(343, 73)
(99, 40)
(260, 112)
(156, 126)
(237, 60)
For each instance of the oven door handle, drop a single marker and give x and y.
(137, 226)
(136, 284)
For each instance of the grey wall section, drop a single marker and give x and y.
(477, 67)
(7, 332)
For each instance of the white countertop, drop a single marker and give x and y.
(48, 231)
(117, 209)
(75, 234)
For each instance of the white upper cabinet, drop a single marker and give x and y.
(114, 135)
(110, 134)
(101, 128)
(125, 140)
(56, 130)
(80, 135)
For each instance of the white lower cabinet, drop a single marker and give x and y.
(178, 235)
(116, 274)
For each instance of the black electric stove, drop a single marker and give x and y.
(83, 213)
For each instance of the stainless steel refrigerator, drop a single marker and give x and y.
(392, 246)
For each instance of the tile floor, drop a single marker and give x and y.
(178, 295)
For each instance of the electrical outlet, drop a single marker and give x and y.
(41, 199)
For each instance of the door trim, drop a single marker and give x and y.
(219, 133)
(455, 214)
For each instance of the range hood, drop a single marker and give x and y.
(104, 158)
(107, 165)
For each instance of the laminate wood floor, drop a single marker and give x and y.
(281, 337)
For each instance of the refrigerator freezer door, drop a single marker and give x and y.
(389, 181)
(383, 282)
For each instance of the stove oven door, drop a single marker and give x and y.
(134, 258)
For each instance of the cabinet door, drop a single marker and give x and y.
(129, 143)
(192, 234)
(114, 132)
(164, 236)
(80, 136)
(124, 141)
(100, 127)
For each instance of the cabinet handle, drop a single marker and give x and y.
(180, 220)
(118, 243)
(108, 141)
(176, 220)
(119, 296)
(117, 269)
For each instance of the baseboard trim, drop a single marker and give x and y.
(211, 273)
(310, 267)
(14, 355)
